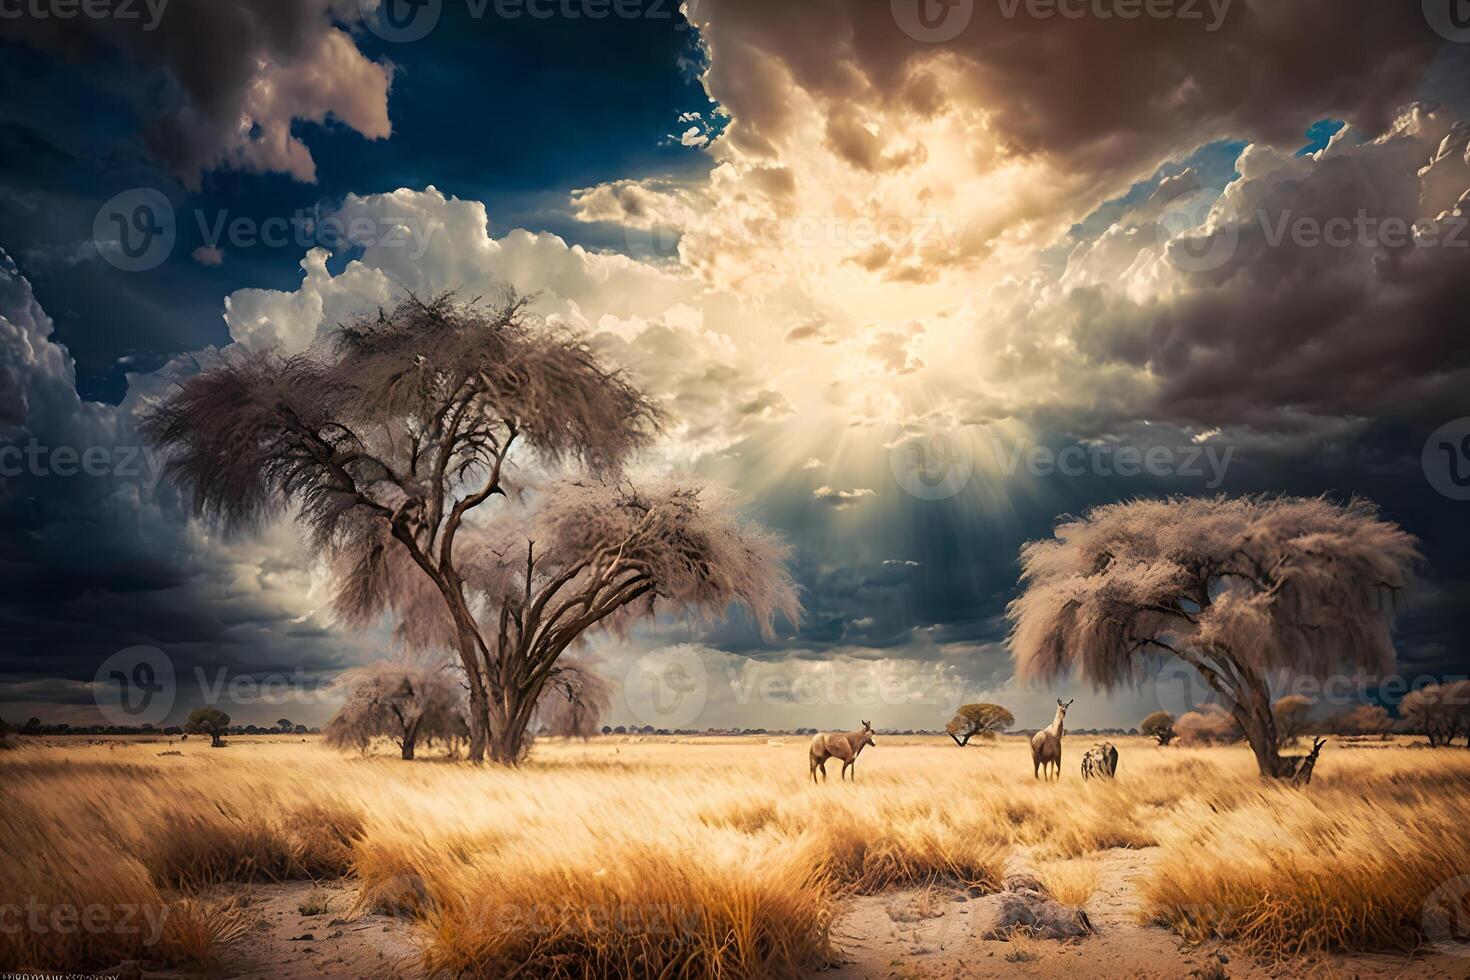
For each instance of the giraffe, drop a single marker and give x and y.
(1046, 745)
(841, 745)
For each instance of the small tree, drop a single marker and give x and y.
(1236, 588)
(1208, 725)
(1291, 713)
(5, 733)
(574, 700)
(978, 720)
(390, 436)
(285, 726)
(404, 699)
(1365, 719)
(1439, 711)
(208, 721)
(1160, 726)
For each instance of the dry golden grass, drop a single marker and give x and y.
(709, 859)
(1070, 882)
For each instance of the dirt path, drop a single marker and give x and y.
(936, 934)
(284, 942)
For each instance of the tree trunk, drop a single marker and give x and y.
(1260, 732)
(478, 710)
(409, 740)
(215, 741)
(508, 720)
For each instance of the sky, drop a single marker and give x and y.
(914, 279)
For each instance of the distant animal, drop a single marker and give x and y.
(1100, 761)
(1046, 745)
(1304, 764)
(840, 745)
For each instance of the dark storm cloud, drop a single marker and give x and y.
(1097, 92)
(96, 555)
(238, 73)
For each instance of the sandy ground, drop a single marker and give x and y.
(936, 935)
(284, 943)
(933, 934)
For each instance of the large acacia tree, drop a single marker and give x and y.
(389, 437)
(1236, 588)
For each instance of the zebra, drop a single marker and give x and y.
(1101, 761)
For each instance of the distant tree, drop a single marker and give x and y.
(5, 734)
(388, 437)
(1365, 719)
(574, 700)
(405, 699)
(208, 721)
(1291, 713)
(33, 726)
(1439, 711)
(1159, 726)
(606, 730)
(978, 720)
(1209, 724)
(1236, 588)
(284, 726)
(620, 730)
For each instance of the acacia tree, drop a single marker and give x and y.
(1209, 724)
(1236, 588)
(982, 720)
(391, 434)
(208, 721)
(1365, 719)
(1159, 726)
(1290, 712)
(404, 699)
(1439, 711)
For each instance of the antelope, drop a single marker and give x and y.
(1101, 761)
(1046, 745)
(1304, 764)
(840, 745)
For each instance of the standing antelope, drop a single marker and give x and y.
(840, 745)
(1305, 764)
(1046, 745)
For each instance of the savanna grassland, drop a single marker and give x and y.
(718, 858)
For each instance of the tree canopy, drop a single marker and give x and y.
(391, 433)
(1234, 587)
(978, 720)
(1159, 726)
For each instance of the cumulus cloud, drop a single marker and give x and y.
(841, 499)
